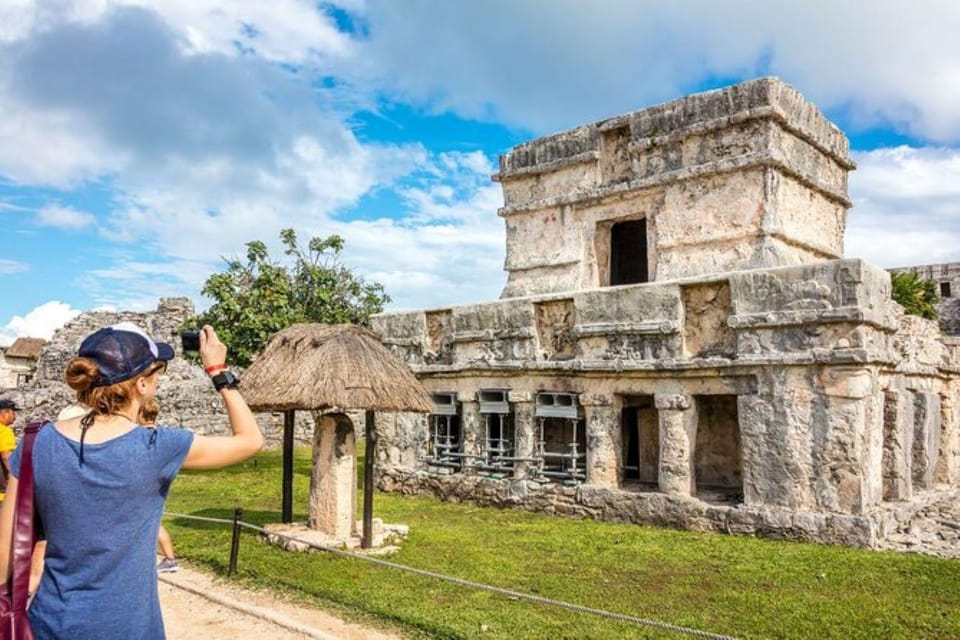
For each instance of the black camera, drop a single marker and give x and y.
(190, 340)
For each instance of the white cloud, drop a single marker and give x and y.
(203, 151)
(447, 248)
(64, 218)
(41, 322)
(8, 267)
(549, 64)
(289, 31)
(906, 206)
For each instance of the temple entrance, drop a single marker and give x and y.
(718, 462)
(640, 438)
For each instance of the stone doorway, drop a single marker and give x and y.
(640, 438)
(718, 461)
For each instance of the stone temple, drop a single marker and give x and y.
(680, 341)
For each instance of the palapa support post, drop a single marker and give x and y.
(371, 439)
(287, 508)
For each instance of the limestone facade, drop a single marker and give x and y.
(679, 341)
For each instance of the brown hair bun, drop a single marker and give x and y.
(81, 374)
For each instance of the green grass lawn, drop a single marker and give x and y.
(738, 586)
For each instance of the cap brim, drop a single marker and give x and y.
(164, 351)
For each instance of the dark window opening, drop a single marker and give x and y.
(498, 445)
(640, 438)
(562, 449)
(944, 289)
(718, 463)
(444, 455)
(628, 252)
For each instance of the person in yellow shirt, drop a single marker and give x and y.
(8, 442)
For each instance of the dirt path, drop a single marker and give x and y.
(195, 605)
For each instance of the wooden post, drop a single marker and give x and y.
(287, 510)
(235, 541)
(369, 454)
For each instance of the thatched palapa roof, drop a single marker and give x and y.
(320, 366)
(27, 348)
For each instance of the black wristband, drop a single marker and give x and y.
(225, 380)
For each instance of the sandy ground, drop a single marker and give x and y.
(195, 605)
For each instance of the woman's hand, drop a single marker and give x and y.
(212, 351)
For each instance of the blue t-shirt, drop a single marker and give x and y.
(100, 521)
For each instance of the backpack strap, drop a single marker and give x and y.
(24, 525)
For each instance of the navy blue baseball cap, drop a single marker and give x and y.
(8, 404)
(122, 352)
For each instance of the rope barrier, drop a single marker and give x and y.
(468, 583)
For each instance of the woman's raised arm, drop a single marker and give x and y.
(212, 452)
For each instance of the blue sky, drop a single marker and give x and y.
(142, 141)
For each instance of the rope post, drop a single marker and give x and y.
(369, 454)
(235, 542)
(286, 515)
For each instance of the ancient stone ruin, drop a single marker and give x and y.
(681, 342)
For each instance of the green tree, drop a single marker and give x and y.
(917, 295)
(255, 299)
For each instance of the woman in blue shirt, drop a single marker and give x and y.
(100, 482)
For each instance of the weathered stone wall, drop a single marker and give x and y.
(657, 509)
(744, 177)
(808, 359)
(186, 397)
(838, 310)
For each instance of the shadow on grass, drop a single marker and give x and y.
(258, 518)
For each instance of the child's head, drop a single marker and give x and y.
(148, 412)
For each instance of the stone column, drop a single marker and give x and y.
(333, 479)
(678, 437)
(897, 444)
(948, 464)
(926, 439)
(524, 430)
(603, 439)
(471, 425)
(847, 399)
